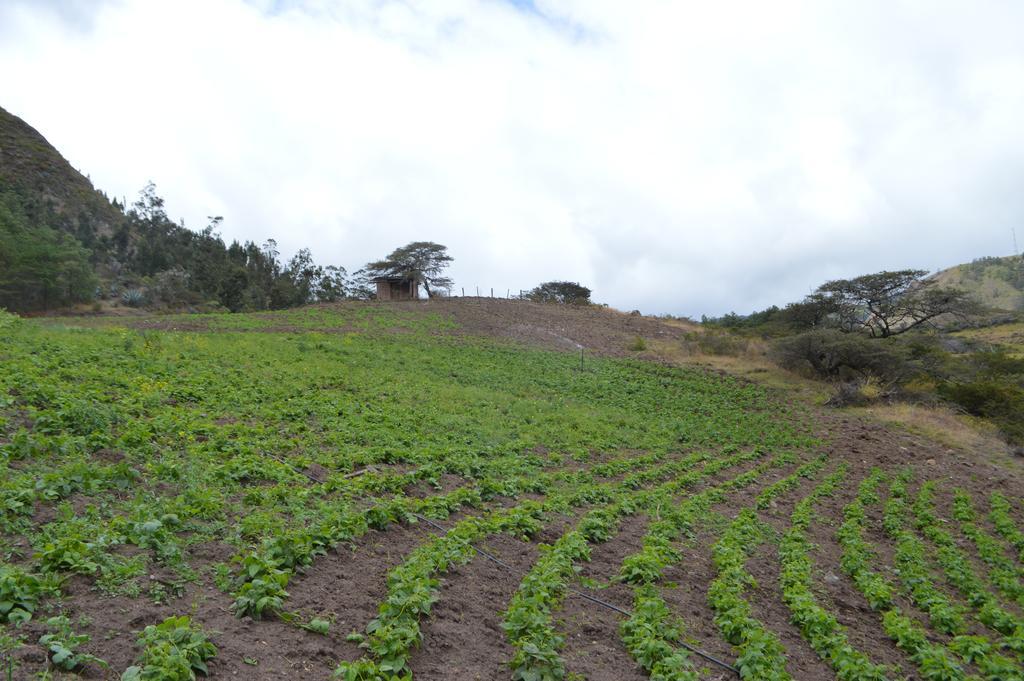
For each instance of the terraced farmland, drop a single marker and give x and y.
(374, 492)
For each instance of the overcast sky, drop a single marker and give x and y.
(676, 157)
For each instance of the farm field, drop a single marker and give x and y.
(447, 492)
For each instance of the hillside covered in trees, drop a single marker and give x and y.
(63, 242)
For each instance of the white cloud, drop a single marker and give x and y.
(677, 157)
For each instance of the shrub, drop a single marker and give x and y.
(566, 292)
(999, 400)
(843, 356)
(638, 345)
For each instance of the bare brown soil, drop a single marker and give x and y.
(566, 327)
(463, 639)
(592, 645)
(599, 330)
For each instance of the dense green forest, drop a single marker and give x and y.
(40, 267)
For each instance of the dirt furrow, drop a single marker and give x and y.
(593, 648)
(462, 638)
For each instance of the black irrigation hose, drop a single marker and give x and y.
(598, 601)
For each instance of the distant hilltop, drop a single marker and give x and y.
(997, 283)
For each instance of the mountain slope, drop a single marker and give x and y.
(62, 242)
(997, 283)
(43, 179)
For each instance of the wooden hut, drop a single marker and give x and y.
(397, 288)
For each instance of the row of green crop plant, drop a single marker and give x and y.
(956, 566)
(762, 655)
(913, 567)
(392, 635)
(501, 476)
(651, 633)
(1004, 523)
(1003, 572)
(83, 544)
(766, 498)
(413, 589)
(529, 624)
(934, 661)
(818, 626)
(260, 586)
(266, 571)
(913, 570)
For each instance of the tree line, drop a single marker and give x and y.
(880, 337)
(879, 305)
(147, 259)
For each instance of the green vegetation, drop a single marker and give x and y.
(934, 662)
(229, 465)
(890, 336)
(40, 267)
(957, 569)
(62, 242)
(164, 441)
(761, 654)
(124, 453)
(528, 622)
(1003, 521)
(565, 292)
(1003, 571)
(818, 626)
(997, 283)
(651, 634)
(174, 650)
(20, 593)
(63, 645)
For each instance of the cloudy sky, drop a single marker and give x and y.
(677, 157)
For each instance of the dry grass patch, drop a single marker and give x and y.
(751, 363)
(1009, 335)
(942, 425)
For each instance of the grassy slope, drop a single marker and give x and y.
(988, 282)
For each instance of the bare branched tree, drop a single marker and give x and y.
(890, 303)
